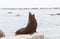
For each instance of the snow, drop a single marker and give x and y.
(47, 24)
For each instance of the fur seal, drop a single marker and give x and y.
(31, 26)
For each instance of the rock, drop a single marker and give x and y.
(26, 36)
(37, 36)
(18, 15)
(9, 12)
(51, 14)
(1, 34)
(57, 14)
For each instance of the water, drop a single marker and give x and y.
(47, 24)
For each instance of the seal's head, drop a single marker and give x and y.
(31, 17)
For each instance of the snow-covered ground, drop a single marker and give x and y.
(47, 24)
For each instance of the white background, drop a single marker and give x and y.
(29, 3)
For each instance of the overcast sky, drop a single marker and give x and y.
(29, 3)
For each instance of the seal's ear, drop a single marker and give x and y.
(33, 15)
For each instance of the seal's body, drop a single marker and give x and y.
(31, 26)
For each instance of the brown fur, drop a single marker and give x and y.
(1, 34)
(31, 26)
